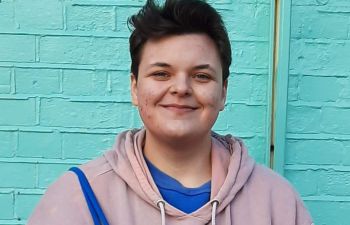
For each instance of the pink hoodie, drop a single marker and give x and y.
(243, 193)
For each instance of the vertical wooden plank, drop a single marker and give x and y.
(270, 88)
(281, 84)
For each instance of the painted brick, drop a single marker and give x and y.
(91, 18)
(48, 173)
(24, 205)
(255, 118)
(293, 88)
(59, 112)
(250, 55)
(86, 146)
(303, 119)
(5, 89)
(240, 88)
(330, 152)
(85, 50)
(120, 84)
(84, 82)
(36, 14)
(5, 76)
(242, 20)
(256, 148)
(16, 170)
(321, 49)
(260, 89)
(38, 81)
(304, 2)
(5, 80)
(314, 88)
(329, 4)
(17, 48)
(39, 144)
(7, 16)
(336, 120)
(13, 222)
(320, 58)
(321, 3)
(6, 206)
(329, 212)
(308, 22)
(346, 159)
(8, 142)
(305, 181)
(122, 14)
(17, 112)
(335, 183)
(296, 55)
(320, 182)
(254, 1)
(345, 91)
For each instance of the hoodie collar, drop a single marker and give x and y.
(231, 168)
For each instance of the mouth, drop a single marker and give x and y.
(179, 108)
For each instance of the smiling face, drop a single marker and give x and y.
(179, 90)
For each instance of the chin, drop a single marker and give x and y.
(182, 133)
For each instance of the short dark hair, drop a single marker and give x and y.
(178, 17)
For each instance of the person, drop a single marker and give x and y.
(175, 170)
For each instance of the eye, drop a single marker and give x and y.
(202, 77)
(161, 75)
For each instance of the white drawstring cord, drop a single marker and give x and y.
(214, 204)
(161, 206)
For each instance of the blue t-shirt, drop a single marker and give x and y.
(185, 199)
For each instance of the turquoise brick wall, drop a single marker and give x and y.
(317, 153)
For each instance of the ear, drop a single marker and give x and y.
(223, 95)
(133, 87)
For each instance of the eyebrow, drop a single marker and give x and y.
(166, 65)
(160, 64)
(204, 66)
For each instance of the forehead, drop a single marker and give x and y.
(182, 49)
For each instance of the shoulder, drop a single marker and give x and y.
(64, 199)
(92, 170)
(97, 167)
(268, 180)
(269, 177)
(283, 199)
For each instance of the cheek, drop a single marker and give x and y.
(211, 99)
(146, 103)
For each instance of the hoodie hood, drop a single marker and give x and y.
(242, 192)
(231, 168)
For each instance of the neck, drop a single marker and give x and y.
(187, 162)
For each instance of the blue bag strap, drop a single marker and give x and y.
(95, 209)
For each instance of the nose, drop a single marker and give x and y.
(181, 85)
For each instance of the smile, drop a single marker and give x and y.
(179, 108)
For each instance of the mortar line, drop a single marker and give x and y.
(60, 77)
(115, 28)
(16, 143)
(64, 15)
(13, 81)
(37, 49)
(37, 110)
(109, 82)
